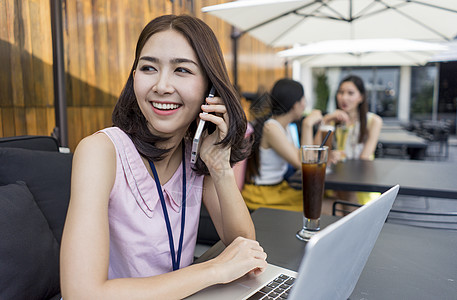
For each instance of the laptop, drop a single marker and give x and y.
(331, 266)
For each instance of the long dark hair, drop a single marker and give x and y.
(284, 94)
(128, 116)
(363, 106)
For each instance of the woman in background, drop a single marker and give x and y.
(274, 150)
(363, 127)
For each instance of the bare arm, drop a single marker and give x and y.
(307, 127)
(221, 194)
(273, 137)
(85, 243)
(336, 116)
(372, 140)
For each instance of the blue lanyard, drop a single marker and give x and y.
(175, 260)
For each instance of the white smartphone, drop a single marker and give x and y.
(198, 133)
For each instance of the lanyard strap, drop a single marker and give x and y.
(175, 260)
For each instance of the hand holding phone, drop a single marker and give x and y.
(198, 133)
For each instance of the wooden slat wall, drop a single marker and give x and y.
(26, 82)
(99, 42)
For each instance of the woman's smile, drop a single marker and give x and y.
(165, 108)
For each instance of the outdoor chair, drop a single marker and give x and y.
(31, 142)
(437, 135)
(405, 217)
(400, 152)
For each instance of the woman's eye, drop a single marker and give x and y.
(147, 68)
(183, 70)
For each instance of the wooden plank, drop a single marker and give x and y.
(6, 95)
(1, 123)
(19, 121)
(41, 121)
(7, 14)
(50, 119)
(87, 120)
(115, 82)
(79, 91)
(8, 122)
(47, 55)
(108, 111)
(89, 79)
(17, 80)
(101, 52)
(24, 40)
(6, 20)
(125, 53)
(86, 50)
(75, 132)
(101, 117)
(71, 61)
(31, 120)
(37, 65)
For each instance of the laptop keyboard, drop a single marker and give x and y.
(278, 288)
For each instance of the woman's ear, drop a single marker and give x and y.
(299, 105)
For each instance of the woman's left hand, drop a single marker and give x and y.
(335, 156)
(216, 157)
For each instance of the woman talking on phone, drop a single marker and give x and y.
(132, 221)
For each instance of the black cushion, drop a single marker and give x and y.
(29, 253)
(207, 233)
(32, 142)
(47, 175)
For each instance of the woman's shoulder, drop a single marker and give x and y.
(272, 128)
(272, 124)
(374, 121)
(98, 144)
(374, 117)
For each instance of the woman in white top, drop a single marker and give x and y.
(363, 126)
(274, 150)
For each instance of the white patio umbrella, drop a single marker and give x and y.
(364, 52)
(449, 55)
(289, 22)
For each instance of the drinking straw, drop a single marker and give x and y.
(326, 138)
(323, 143)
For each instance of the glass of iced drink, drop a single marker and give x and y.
(314, 163)
(341, 135)
(323, 129)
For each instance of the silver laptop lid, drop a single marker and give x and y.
(335, 257)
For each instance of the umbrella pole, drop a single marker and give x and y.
(436, 90)
(235, 36)
(60, 101)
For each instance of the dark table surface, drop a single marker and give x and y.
(401, 143)
(401, 138)
(418, 178)
(406, 262)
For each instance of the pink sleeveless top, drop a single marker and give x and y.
(139, 244)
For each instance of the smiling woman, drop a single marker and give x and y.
(135, 200)
(169, 83)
